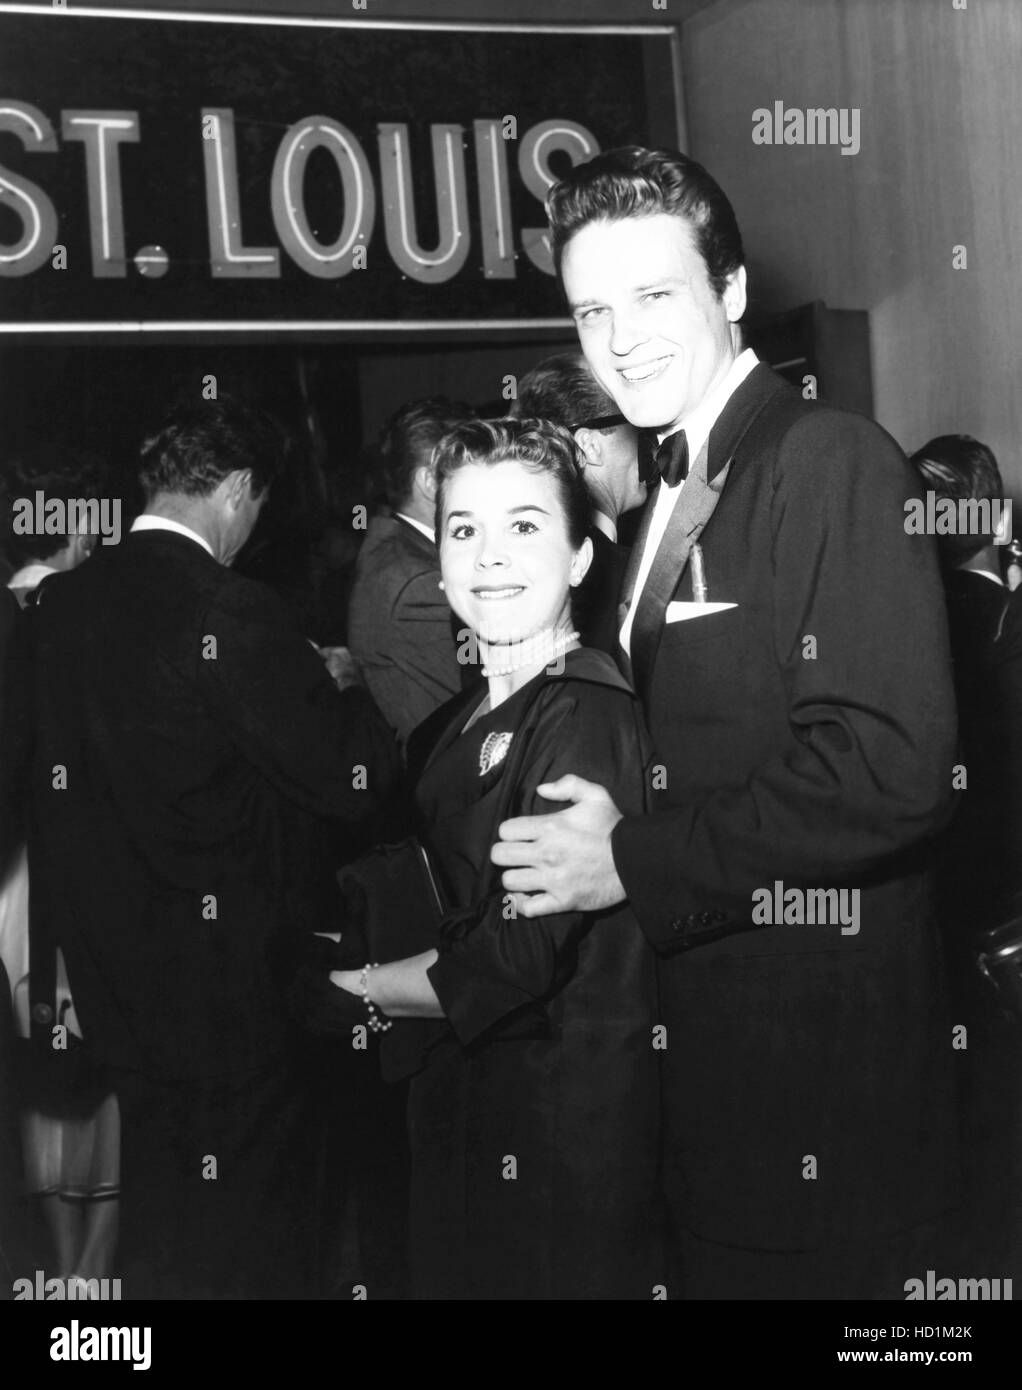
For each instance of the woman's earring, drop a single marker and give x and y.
(440, 584)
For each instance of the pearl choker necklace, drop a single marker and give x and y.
(531, 645)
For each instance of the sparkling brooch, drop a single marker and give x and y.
(493, 751)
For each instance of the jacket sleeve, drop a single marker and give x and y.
(860, 638)
(278, 703)
(491, 967)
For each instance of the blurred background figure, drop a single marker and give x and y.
(562, 389)
(984, 861)
(70, 1124)
(400, 629)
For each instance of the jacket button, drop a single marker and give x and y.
(42, 1013)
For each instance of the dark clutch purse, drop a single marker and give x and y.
(393, 900)
(392, 896)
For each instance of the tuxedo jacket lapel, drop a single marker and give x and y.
(699, 497)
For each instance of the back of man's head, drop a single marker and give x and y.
(563, 390)
(958, 467)
(410, 437)
(61, 472)
(200, 442)
(636, 182)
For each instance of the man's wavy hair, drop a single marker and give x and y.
(537, 444)
(958, 467)
(200, 442)
(637, 182)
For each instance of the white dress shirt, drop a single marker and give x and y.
(148, 522)
(697, 429)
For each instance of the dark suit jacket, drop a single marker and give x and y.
(806, 735)
(399, 625)
(15, 723)
(204, 747)
(980, 862)
(595, 608)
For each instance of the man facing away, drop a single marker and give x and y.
(563, 389)
(985, 624)
(191, 754)
(803, 722)
(400, 629)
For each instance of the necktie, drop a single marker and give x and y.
(672, 458)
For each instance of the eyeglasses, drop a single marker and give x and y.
(600, 422)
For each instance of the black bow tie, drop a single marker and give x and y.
(672, 458)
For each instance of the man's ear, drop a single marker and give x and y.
(580, 563)
(234, 485)
(425, 481)
(734, 296)
(590, 446)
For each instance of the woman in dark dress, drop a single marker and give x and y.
(533, 1116)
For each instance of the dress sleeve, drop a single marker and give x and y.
(492, 965)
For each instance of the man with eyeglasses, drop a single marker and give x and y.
(562, 389)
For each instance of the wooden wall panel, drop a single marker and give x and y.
(940, 165)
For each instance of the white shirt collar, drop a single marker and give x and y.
(148, 522)
(31, 576)
(427, 531)
(701, 421)
(604, 523)
(987, 574)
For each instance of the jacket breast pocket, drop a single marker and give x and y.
(694, 628)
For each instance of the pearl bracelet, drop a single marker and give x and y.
(377, 1024)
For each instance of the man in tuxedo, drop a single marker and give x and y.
(982, 859)
(563, 389)
(192, 758)
(400, 628)
(788, 641)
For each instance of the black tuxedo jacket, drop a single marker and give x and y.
(191, 752)
(806, 736)
(981, 860)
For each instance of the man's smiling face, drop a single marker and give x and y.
(654, 333)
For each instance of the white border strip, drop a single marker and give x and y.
(325, 22)
(278, 326)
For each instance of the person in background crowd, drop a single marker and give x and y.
(191, 750)
(983, 863)
(14, 1223)
(70, 1129)
(803, 724)
(399, 624)
(562, 389)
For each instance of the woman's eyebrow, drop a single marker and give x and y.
(529, 507)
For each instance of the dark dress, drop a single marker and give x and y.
(533, 1123)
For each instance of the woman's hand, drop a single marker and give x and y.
(347, 980)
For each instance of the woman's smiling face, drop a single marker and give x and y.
(507, 562)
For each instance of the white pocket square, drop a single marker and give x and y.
(681, 610)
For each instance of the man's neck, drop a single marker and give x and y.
(710, 402)
(186, 511)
